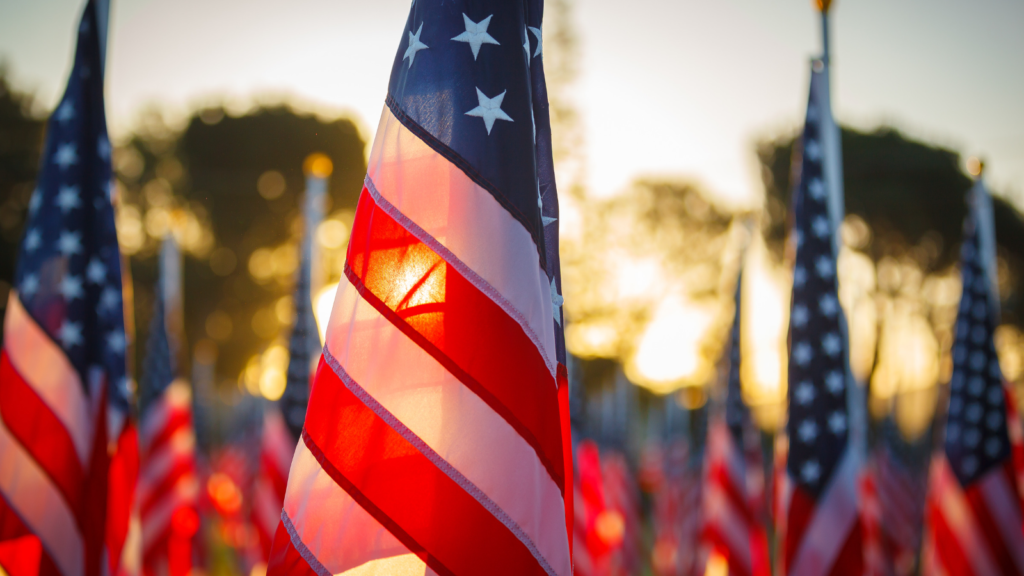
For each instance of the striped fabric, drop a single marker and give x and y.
(438, 419)
(168, 484)
(898, 508)
(734, 482)
(622, 497)
(63, 389)
(678, 518)
(974, 510)
(277, 446)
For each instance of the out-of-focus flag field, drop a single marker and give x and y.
(267, 338)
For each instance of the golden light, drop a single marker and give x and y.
(975, 166)
(284, 260)
(765, 296)
(404, 565)
(332, 233)
(823, 5)
(322, 305)
(318, 165)
(610, 527)
(258, 569)
(665, 557)
(284, 309)
(718, 565)
(260, 264)
(224, 493)
(272, 383)
(669, 352)
(271, 184)
(593, 339)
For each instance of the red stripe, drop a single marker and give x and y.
(277, 480)
(166, 486)
(42, 434)
(719, 475)
(992, 534)
(285, 560)
(801, 510)
(462, 328)
(180, 417)
(124, 473)
(407, 493)
(947, 546)
(21, 553)
(850, 560)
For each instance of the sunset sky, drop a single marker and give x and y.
(667, 87)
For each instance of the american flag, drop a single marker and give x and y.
(974, 507)
(622, 500)
(63, 387)
(677, 514)
(734, 485)
(822, 534)
(282, 425)
(437, 431)
(168, 484)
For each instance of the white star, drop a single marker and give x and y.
(810, 471)
(837, 423)
(489, 109)
(976, 385)
(799, 316)
(67, 199)
(828, 305)
(29, 284)
(71, 287)
(526, 47)
(974, 412)
(832, 344)
(103, 147)
(109, 300)
(116, 341)
(70, 334)
(37, 199)
(476, 34)
(96, 272)
(802, 354)
(979, 310)
(799, 276)
(972, 437)
(556, 302)
(821, 227)
(970, 464)
(824, 267)
(414, 45)
(540, 40)
(66, 155)
(547, 220)
(804, 393)
(978, 361)
(32, 240)
(813, 150)
(807, 431)
(995, 396)
(69, 243)
(993, 446)
(835, 381)
(816, 188)
(65, 112)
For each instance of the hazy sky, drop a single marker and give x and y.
(667, 87)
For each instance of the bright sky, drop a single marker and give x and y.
(667, 86)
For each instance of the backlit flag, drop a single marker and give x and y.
(974, 508)
(63, 388)
(437, 427)
(734, 484)
(282, 424)
(168, 483)
(822, 534)
(899, 490)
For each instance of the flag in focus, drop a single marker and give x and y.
(974, 520)
(734, 479)
(819, 494)
(436, 437)
(63, 386)
(168, 482)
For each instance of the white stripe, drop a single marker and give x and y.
(730, 524)
(37, 501)
(332, 526)
(44, 367)
(451, 210)
(450, 420)
(1004, 508)
(266, 508)
(156, 518)
(175, 400)
(958, 516)
(277, 441)
(156, 466)
(834, 518)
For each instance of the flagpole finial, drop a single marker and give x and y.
(823, 5)
(318, 165)
(975, 166)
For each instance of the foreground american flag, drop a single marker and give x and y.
(974, 506)
(822, 530)
(734, 487)
(168, 481)
(436, 437)
(63, 390)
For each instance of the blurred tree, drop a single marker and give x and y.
(21, 144)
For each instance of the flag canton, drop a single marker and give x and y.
(976, 433)
(817, 424)
(69, 272)
(735, 411)
(158, 365)
(461, 81)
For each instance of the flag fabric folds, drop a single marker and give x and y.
(734, 481)
(168, 480)
(63, 387)
(974, 520)
(822, 530)
(437, 427)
